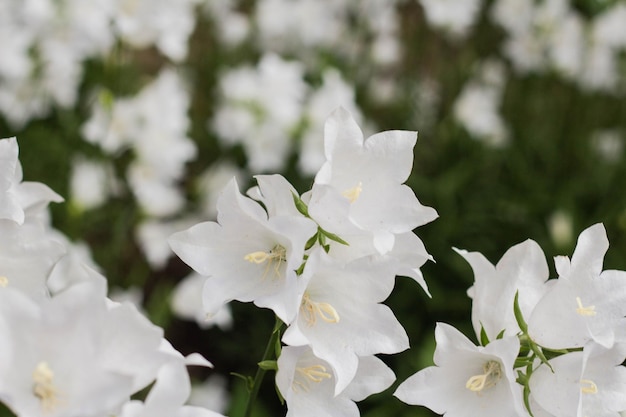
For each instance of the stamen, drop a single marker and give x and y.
(44, 387)
(587, 386)
(4, 281)
(311, 310)
(275, 256)
(313, 373)
(585, 311)
(353, 193)
(492, 375)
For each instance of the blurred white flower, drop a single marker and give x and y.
(91, 183)
(608, 144)
(477, 107)
(260, 109)
(212, 394)
(334, 92)
(187, 304)
(212, 181)
(455, 17)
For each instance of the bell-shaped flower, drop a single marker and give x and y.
(307, 383)
(523, 270)
(247, 255)
(589, 383)
(467, 381)
(341, 316)
(73, 355)
(585, 303)
(369, 174)
(19, 198)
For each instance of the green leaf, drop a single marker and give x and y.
(309, 243)
(518, 314)
(500, 335)
(334, 237)
(484, 339)
(537, 351)
(268, 365)
(302, 208)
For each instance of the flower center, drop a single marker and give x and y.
(44, 388)
(274, 259)
(491, 376)
(4, 281)
(587, 386)
(311, 310)
(585, 311)
(306, 375)
(353, 193)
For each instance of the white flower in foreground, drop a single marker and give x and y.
(369, 173)
(73, 355)
(341, 316)
(246, 255)
(591, 383)
(308, 384)
(585, 303)
(523, 270)
(467, 381)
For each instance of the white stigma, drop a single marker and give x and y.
(44, 388)
(491, 376)
(585, 311)
(312, 309)
(313, 373)
(353, 193)
(274, 257)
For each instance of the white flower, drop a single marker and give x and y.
(246, 255)
(73, 355)
(523, 270)
(341, 316)
(454, 16)
(585, 303)
(307, 383)
(467, 381)
(91, 183)
(587, 383)
(368, 173)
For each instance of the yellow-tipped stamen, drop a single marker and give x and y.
(311, 310)
(275, 256)
(491, 376)
(44, 388)
(587, 386)
(585, 311)
(4, 281)
(313, 373)
(353, 193)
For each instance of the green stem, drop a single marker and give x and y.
(260, 373)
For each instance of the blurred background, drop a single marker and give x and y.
(139, 111)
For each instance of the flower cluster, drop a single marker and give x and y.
(549, 347)
(323, 262)
(67, 349)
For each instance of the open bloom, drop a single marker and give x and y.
(308, 384)
(585, 303)
(467, 381)
(340, 315)
(246, 255)
(587, 383)
(367, 174)
(523, 270)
